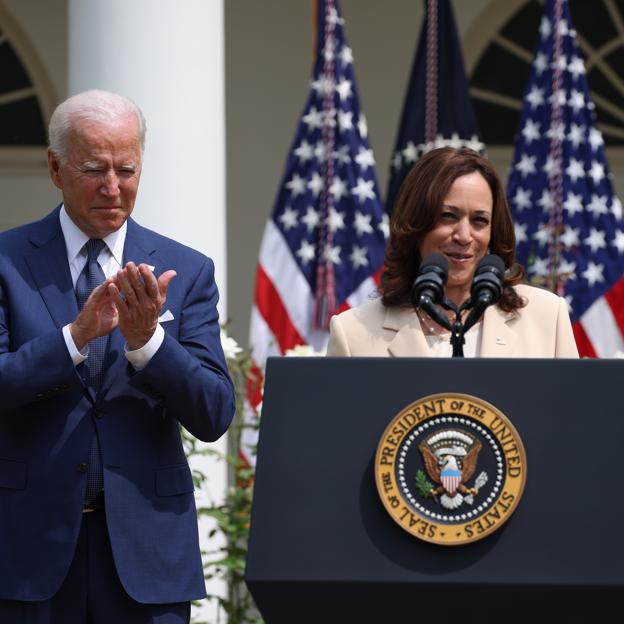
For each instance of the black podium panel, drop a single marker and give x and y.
(323, 549)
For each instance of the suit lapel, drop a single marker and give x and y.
(138, 248)
(409, 340)
(498, 338)
(50, 270)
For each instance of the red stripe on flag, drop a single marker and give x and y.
(583, 343)
(615, 299)
(255, 379)
(376, 277)
(274, 313)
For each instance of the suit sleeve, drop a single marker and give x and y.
(338, 344)
(189, 374)
(39, 369)
(565, 346)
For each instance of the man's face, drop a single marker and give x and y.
(100, 177)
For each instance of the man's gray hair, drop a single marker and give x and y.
(94, 105)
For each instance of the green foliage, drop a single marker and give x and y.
(423, 485)
(232, 518)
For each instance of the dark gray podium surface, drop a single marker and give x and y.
(323, 549)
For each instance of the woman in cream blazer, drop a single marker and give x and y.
(453, 202)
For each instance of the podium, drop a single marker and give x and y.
(323, 549)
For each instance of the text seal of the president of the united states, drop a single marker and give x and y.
(450, 468)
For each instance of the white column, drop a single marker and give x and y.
(169, 58)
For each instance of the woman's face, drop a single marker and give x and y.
(462, 232)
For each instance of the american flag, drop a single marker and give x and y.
(437, 111)
(569, 228)
(323, 246)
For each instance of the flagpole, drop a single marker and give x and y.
(556, 154)
(315, 25)
(325, 291)
(431, 84)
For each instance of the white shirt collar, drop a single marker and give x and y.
(75, 238)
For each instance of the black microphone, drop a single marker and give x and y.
(487, 287)
(428, 288)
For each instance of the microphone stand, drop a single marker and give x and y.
(457, 328)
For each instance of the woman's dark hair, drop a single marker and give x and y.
(416, 211)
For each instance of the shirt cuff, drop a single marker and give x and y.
(78, 357)
(139, 358)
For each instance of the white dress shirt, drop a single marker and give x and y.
(111, 261)
(440, 344)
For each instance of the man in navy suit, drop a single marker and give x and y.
(97, 516)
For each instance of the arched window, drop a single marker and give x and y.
(26, 98)
(500, 68)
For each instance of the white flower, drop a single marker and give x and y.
(230, 346)
(304, 351)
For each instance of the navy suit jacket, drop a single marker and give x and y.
(48, 418)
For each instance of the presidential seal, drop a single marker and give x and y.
(450, 469)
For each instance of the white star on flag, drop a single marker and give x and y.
(596, 172)
(576, 101)
(314, 119)
(343, 88)
(575, 170)
(296, 185)
(345, 120)
(520, 231)
(306, 251)
(598, 205)
(573, 203)
(543, 235)
(618, 241)
(310, 218)
(365, 158)
(570, 238)
(358, 257)
(289, 218)
(535, 97)
(336, 220)
(531, 131)
(576, 135)
(526, 165)
(362, 223)
(304, 152)
(593, 273)
(522, 198)
(332, 254)
(410, 153)
(316, 184)
(595, 240)
(338, 188)
(595, 139)
(363, 190)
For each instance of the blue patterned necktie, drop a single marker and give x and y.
(91, 277)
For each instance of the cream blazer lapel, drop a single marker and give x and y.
(409, 340)
(498, 338)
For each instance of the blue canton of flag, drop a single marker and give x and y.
(569, 228)
(437, 111)
(324, 244)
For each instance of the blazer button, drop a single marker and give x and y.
(82, 467)
(98, 413)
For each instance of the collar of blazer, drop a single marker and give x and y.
(498, 338)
